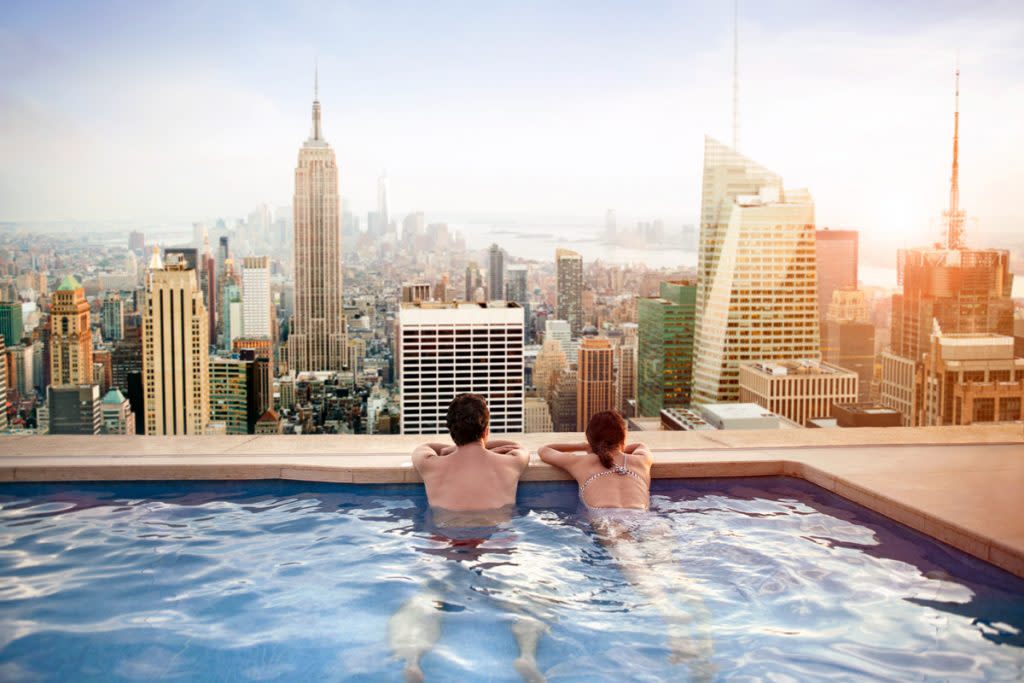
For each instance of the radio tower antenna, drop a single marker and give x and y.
(736, 75)
(955, 215)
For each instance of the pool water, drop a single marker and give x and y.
(765, 579)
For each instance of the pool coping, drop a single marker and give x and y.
(963, 486)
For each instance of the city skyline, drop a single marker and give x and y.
(461, 136)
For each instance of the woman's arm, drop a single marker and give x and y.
(562, 455)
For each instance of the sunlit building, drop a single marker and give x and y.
(596, 380)
(175, 351)
(536, 416)
(849, 337)
(836, 256)
(257, 309)
(569, 301)
(70, 335)
(318, 336)
(757, 296)
(971, 378)
(446, 349)
(665, 351)
(797, 390)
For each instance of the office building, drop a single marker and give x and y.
(548, 366)
(948, 289)
(797, 390)
(383, 204)
(537, 415)
(757, 294)
(75, 409)
(259, 386)
(112, 318)
(561, 331)
(232, 316)
(116, 414)
(563, 401)
(137, 242)
(229, 394)
(126, 358)
(517, 287)
(416, 293)
(971, 378)
(175, 351)
(474, 283)
(595, 391)
(836, 256)
(849, 337)
(665, 347)
(496, 272)
(257, 308)
(626, 376)
(569, 299)
(318, 337)
(446, 349)
(11, 322)
(70, 336)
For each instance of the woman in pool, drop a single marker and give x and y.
(611, 475)
(615, 487)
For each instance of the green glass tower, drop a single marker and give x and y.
(665, 352)
(10, 322)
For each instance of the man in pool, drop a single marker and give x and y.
(471, 487)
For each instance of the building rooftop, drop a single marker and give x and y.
(69, 284)
(736, 411)
(457, 305)
(783, 368)
(113, 397)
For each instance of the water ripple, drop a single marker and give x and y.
(767, 579)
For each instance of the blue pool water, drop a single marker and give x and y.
(268, 581)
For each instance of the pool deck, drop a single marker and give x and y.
(961, 485)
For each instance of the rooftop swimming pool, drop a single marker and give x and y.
(738, 579)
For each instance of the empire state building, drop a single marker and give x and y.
(318, 340)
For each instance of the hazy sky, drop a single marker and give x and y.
(125, 110)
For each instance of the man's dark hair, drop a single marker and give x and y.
(468, 418)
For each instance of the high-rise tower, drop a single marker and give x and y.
(70, 335)
(175, 351)
(496, 273)
(317, 341)
(757, 296)
(569, 274)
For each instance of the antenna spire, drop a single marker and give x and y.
(736, 75)
(955, 215)
(316, 101)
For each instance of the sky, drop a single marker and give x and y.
(181, 111)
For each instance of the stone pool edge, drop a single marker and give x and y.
(872, 469)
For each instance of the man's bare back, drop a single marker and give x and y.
(471, 477)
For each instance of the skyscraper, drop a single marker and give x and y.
(70, 335)
(757, 295)
(446, 349)
(849, 337)
(11, 325)
(596, 380)
(229, 394)
(474, 282)
(112, 315)
(256, 305)
(948, 290)
(836, 252)
(175, 353)
(569, 302)
(75, 409)
(496, 273)
(665, 352)
(517, 287)
(317, 341)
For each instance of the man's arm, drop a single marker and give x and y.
(428, 450)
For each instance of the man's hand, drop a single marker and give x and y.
(447, 450)
(505, 449)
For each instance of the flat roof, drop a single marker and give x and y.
(737, 410)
